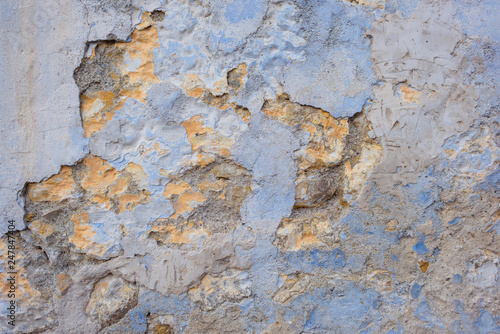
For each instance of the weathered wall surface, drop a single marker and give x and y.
(251, 166)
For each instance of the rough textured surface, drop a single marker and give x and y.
(251, 166)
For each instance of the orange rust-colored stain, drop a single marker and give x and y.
(98, 175)
(212, 144)
(337, 129)
(392, 225)
(92, 55)
(186, 235)
(327, 134)
(410, 95)
(449, 152)
(277, 112)
(183, 197)
(103, 185)
(138, 93)
(141, 45)
(161, 151)
(88, 101)
(381, 280)
(348, 166)
(98, 108)
(207, 283)
(130, 201)
(195, 92)
(118, 187)
(40, 228)
(244, 113)
(56, 188)
(356, 176)
(306, 238)
(219, 96)
(138, 174)
(220, 87)
(102, 200)
(236, 76)
(195, 126)
(25, 293)
(211, 186)
(185, 203)
(92, 108)
(204, 159)
(301, 188)
(98, 293)
(309, 128)
(205, 142)
(317, 152)
(64, 282)
(295, 234)
(82, 233)
(175, 189)
(424, 265)
(146, 21)
(193, 85)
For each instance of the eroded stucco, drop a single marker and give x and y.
(252, 166)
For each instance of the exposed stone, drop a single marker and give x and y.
(65, 282)
(326, 134)
(292, 287)
(56, 188)
(214, 291)
(111, 299)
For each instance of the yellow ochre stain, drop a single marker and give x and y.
(410, 95)
(54, 189)
(82, 232)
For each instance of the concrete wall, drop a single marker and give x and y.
(251, 166)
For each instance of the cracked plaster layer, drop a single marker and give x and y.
(251, 166)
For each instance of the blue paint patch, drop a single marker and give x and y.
(474, 197)
(349, 310)
(479, 18)
(80, 141)
(308, 261)
(135, 321)
(457, 278)
(415, 290)
(425, 197)
(337, 56)
(399, 331)
(486, 323)
(424, 192)
(420, 247)
(436, 252)
(273, 197)
(246, 305)
(454, 221)
(242, 10)
(425, 313)
(147, 261)
(394, 258)
(495, 227)
(406, 7)
(491, 183)
(465, 321)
